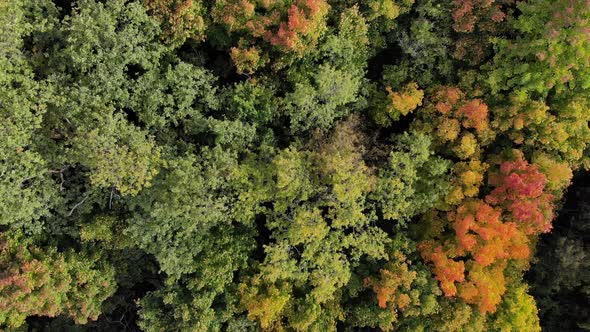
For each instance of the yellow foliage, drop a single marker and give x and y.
(448, 130)
(467, 147)
(404, 101)
(307, 226)
(484, 286)
(559, 174)
(246, 60)
(263, 302)
(468, 178)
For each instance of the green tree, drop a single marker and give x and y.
(25, 185)
(550, 52)
(413, 180)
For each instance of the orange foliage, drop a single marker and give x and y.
(489, 233)
(294, 28)
(481, 233)
(487, 243)
(302, 21)
(485, 286)
(460, 125)
(475, 115)
(394, 282)
(446, 270)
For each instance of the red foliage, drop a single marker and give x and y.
(475, 114)
(477, 21)
(468, 12)
(301, 20)
(520, 190)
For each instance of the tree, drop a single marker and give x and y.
(517, 312)
(477, 22)
(292, 28)
(41, 281)
(460, 126)
(399, 104)
(318, 102)
(327, 91)
(559, 131)
(520, 190)
(319, 231)
(25, 184)
(550, 53)
(199, 246)
(472, 263)
(424, 36)
(413, 181)
(180, 20)
(118, 156)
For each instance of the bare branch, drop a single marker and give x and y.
(77, 205)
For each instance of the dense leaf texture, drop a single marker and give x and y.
(293, 165)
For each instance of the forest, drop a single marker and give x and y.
(295, 165)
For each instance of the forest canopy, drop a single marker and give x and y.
(294, 165)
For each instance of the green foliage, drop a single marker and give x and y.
(319, 232)
(174, 95)
(119, 156)
(425, 40)
(413, 181)
(517, 312)
(550, 53)
(560, 130)
(183, 221)
(326, 91)
(319, 102)
(189, 200)
(27, 193)
(292, 165)
(253, 101)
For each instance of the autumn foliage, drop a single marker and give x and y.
(460, 124)
(489, 233)
(446, 270)
(520, 189)
(181, 19)
(393, 284)
(477, 22)
(293, 165)
(292, 28)
(42, 282)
